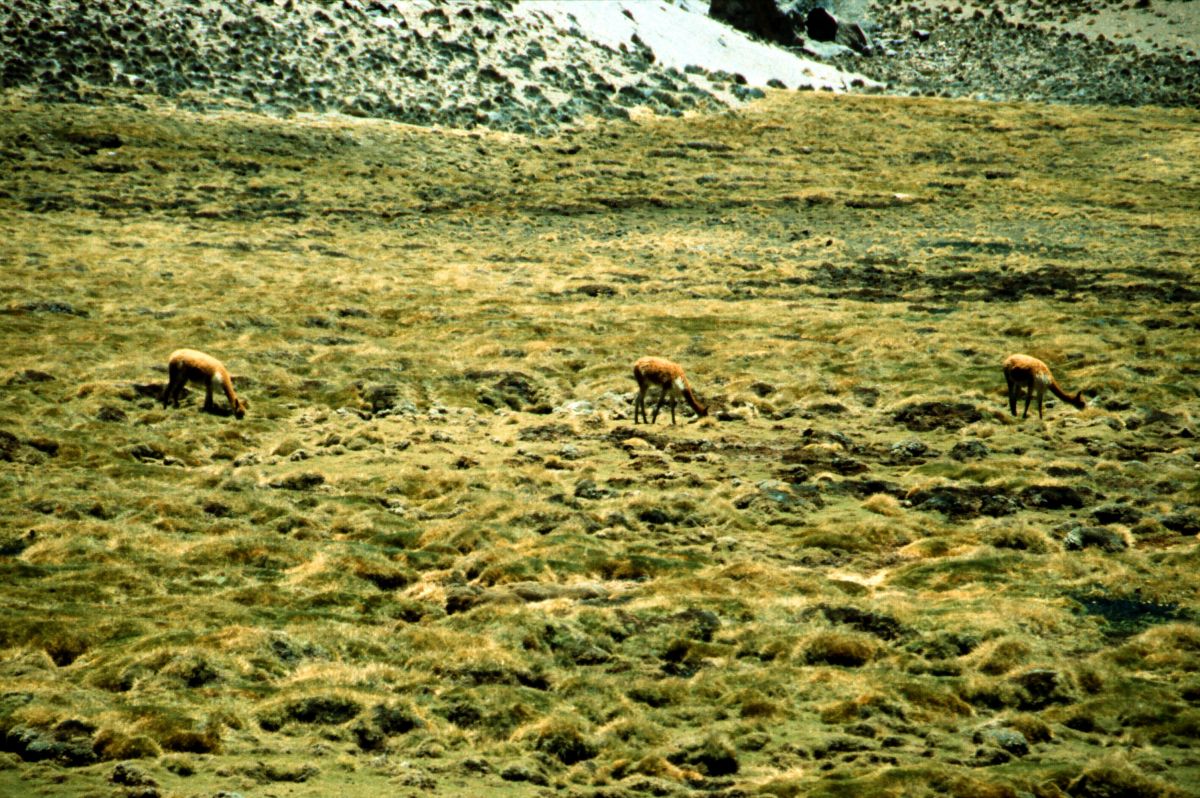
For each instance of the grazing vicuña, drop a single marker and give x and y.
(671, 381)
(1032, 375)
(189, 365)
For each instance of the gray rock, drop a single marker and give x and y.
(1083, 537)
(588, 489)
(969, 450)
(131, 776)
(1008, 740)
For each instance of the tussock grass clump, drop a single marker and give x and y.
(933, 700)
(324, 709)
(847, 649)
(1114, 775)
(1001, 656)
(115, 745)
(861, 707)
(1172, 647)
(883, 504)
(1026, 539)
(713, 755)
(567, 739)
(183, 734)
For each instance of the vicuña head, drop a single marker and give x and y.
(1023, 372)
(189, 365)
(670, 380)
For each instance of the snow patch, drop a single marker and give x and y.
(681, 34)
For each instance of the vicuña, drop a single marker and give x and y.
(1023, 372)
(671, 382)
(189, 365)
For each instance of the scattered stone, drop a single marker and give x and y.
(69, 743)
(967, 501)
(579, 407)
(147, 452)
(930, 51)
(909, 451)
(588, 489)
(131, 776)
(778, 493)
(969, 450)
(853, 36)
(1083, 537)
(50, 306)
(1052, 497)
(1009, 740)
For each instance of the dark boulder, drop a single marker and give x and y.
(853, 36)
(821, 25)
(762, 18)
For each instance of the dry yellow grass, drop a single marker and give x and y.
(437, 556)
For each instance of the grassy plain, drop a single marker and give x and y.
(437, 557)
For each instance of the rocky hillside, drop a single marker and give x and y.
(529, 67)
(1095, 53)
(520, 67)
